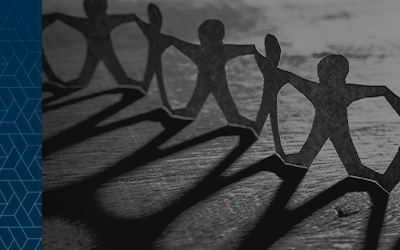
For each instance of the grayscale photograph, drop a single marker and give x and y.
(221, 124)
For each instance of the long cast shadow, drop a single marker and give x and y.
(206, 187)
(272, 226)
(214, 182)
(116, 232)
(277, 221)
(150, 153)
(118, 90)
(147, 230)
(57, 92)
(87, 128)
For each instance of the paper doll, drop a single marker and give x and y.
(96, 29)
(330, 98)
(274, 80)
(46, 21)
(210, 58)
(158, 43)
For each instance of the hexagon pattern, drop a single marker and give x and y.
(20, 124)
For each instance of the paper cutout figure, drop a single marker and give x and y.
(330, 99)
(158, 43)
(274, 80)
(391, 177)
(393, 100)
(46, 21)
(210, 58)
(96, 30)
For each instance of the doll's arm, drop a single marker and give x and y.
(116, 20)
(233, 51)
(393, 100)
(259, 59)
(74, 22)
(356, 92)
(188, 49)
(306, 87)
(143, 26)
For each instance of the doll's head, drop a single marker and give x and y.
(94, 8)
(272, 49)
(333, 69)
(212, 32)
(155, 16)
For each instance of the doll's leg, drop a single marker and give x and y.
(228, 107)
(316, 139)
(348, 154)
(268, 106)
(161, 86)
(393, 100)
(87, 71)
(275, 132)
(392, 175)
(151, 69)
(195, 103)
(114, 66)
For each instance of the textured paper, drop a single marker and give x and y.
(330, 98)
(274, 80)
(158, 43)
(210, 57)
(96, 30)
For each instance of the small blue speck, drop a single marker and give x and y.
(238, 203)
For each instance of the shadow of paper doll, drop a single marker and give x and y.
(46, 21)
(158, 43)
(274, 80)
(210, 58)
(279, 220)
(96, 30)
(330, 99)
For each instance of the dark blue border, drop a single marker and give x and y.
(20, 124)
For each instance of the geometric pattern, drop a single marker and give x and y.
(20, 124)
